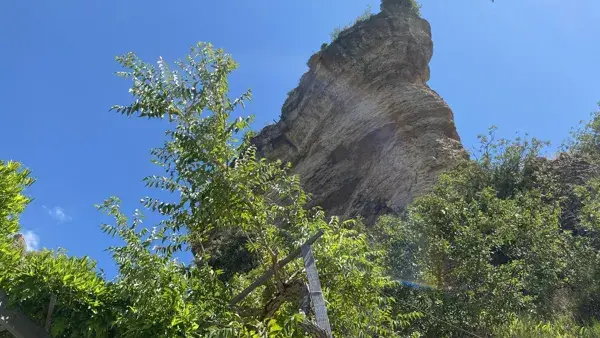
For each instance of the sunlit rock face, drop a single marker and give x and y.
(363, 129)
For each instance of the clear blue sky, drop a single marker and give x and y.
(527, 65)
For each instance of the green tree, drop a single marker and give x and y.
(13, 181)
(490, 242)
(225, 191)
(30, 279)
(219, 191)
(585, 140)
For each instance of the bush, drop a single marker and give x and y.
(585, 140)
(562, 327)
(489, 243)
(393, 5)
(367, 14)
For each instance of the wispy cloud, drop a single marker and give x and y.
(58, 213)
(32, 240)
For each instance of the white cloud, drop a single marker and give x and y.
(32, 240)
(58, 214)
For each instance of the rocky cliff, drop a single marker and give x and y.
(363, 128)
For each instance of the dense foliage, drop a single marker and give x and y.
(13, 180)
(225, 204)
(508, 237)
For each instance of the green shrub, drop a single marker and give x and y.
(368, 13)
(411, 5)
(562, 327)
(488, 244)
(414, 7)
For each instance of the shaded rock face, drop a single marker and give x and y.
(362, 129)
(568, 171)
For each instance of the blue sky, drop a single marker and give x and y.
(526, 66)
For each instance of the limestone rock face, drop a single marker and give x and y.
(363, 129)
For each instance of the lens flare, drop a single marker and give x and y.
(415, 284)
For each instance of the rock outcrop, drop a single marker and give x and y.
(568, 170)
(363, 129)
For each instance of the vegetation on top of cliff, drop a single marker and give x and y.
(412, 6)
(367, 14)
